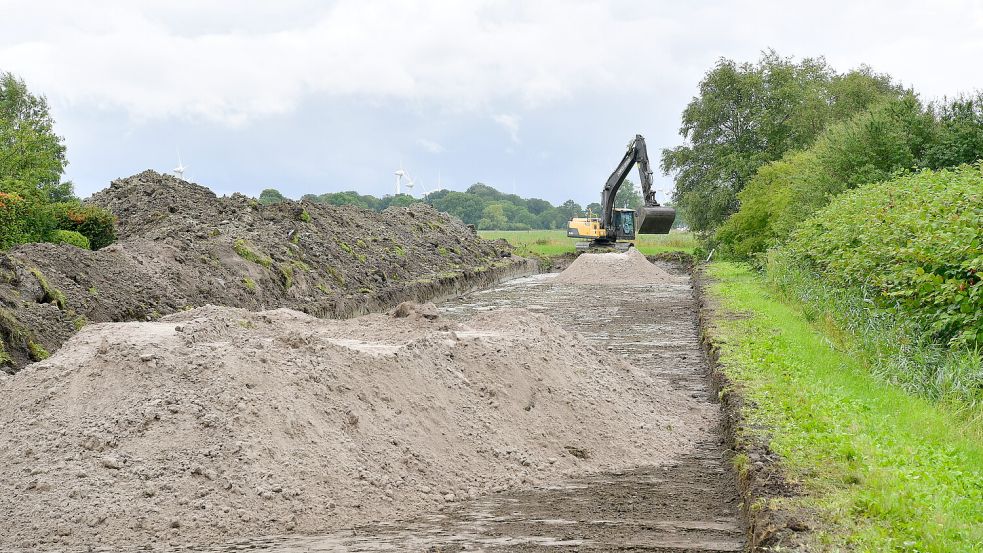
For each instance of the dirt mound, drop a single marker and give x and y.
(615, 269)
(217, 423)
(181, 246)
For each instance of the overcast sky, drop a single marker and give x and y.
(541, 96)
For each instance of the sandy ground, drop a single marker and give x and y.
(219, 423)
(614, 269)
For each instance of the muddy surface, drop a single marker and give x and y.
(688, 503)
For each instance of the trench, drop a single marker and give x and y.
(689, 504)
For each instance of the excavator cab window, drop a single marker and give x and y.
(624, 223)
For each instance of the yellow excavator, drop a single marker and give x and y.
(616, 227)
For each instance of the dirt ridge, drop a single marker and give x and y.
(181, 246)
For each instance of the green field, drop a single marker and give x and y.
(555, 242)
(883, 470)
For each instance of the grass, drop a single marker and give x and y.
(240, 246)
(883, 470)
(552, 243)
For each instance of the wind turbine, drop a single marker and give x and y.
(181, 167)
(400, 173)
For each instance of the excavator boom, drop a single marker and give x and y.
(621, 224)
(651, 218)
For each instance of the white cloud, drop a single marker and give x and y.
(510, 123)
(232, 61)
(431, 146)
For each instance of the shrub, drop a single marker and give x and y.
(912, 246)
(95, 223)
(69, 237)
(21, 221)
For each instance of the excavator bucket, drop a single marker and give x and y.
(655, 219)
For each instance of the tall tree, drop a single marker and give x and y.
(32, 156)
(628, 196)
(746, 115)
(271, 196)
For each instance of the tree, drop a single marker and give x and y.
(746, 115)
(493, 217)
(271, 196)
(464, 206)
(628, 196)
(869, 147)
(593, 208)
(32, 156)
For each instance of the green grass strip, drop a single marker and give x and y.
(882, 470)
(551, 243)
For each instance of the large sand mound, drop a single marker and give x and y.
(182, 246)
(614, 269)
(218, 423)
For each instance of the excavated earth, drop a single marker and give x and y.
(220, 422)
(180, 246)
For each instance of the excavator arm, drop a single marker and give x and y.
(652, 218)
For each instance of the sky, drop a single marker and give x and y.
(539, 97)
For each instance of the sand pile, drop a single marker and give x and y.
(182, 246)
(218, 423)
(630, 267)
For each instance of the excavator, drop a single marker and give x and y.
(616, 227)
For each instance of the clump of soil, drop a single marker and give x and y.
(614, 269)
(218, 422)
(181, 246)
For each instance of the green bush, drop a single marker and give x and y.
(912, 246)
(872, 146)
(69, 237)
(21, 221)
(95, 223)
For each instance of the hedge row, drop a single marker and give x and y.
(911, 245)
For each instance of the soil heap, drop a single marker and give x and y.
(614, 269)
(218, 423)
(180, 246)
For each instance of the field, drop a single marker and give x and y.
(555, 242)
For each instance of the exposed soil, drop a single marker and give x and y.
(181, 246)
(687, 504)
(613, 269)
(220, 422)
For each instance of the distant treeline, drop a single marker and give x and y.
(480, 205)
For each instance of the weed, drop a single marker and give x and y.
(304, 216)
(4, 356)
(364, 290)
(244, 252)
(346, 248)
(335, 274)
(399, 251)
(80, 322)
(249, 283)
(324, 289)
(442, 251)
(286, 275)
(38, 353)
(51, 294)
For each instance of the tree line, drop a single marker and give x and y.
(767, 144)
(480, 205)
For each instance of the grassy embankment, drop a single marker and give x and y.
(550, 243)
(882, 469)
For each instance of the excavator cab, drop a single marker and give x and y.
(624, 224)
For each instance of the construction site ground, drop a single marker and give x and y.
(689, 504)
